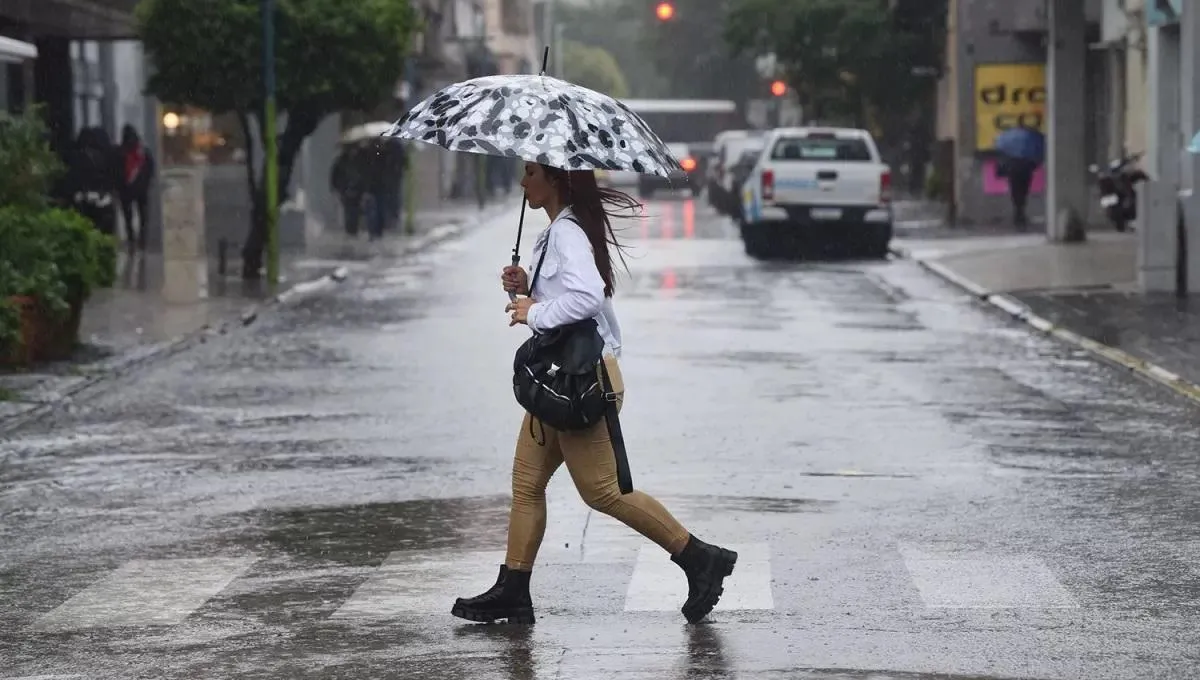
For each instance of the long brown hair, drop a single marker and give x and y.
(595, 207)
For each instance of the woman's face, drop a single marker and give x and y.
(539, 190)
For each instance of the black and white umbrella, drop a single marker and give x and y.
(539, 119)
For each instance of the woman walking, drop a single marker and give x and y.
(575, 283)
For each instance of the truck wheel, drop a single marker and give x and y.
(754, 241)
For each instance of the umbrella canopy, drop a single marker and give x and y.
(365, 131)
(1022, 142)
(540, 119)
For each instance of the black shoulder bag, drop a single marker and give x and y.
(559, 377)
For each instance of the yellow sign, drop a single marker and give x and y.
(1007, 95)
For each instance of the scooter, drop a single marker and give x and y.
(1118, 189)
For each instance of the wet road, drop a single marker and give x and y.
(918, 489)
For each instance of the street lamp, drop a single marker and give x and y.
(665, 11)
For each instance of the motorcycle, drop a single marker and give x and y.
(1118, 189)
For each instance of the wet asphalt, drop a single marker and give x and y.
(918, 488)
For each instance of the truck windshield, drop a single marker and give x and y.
(821, 148)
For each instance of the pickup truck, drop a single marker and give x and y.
(817, 184)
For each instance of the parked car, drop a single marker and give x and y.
(711, 175)
(739, 172)
(723, 190)
(817, 185)
(689, 177)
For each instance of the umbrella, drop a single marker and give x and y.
(540, 119)
(1022, 142)
(365, 131)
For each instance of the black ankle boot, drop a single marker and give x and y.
(706, 567)
(508, 599)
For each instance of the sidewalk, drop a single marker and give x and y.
(133, 322)
(1085, 293)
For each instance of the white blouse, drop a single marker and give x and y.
(570, 288)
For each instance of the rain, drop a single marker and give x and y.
(899, 348)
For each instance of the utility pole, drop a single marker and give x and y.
(270, 150)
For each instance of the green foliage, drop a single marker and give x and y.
(53, 255)
(690, 54)
(847, 58)
(610, 26)
(683, 58)
(594, 68)
(331, 55)
(27, 165)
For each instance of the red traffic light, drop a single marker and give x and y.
(665, 11)
(779, 88)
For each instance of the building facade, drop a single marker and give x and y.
(84, 69)
(995, 76)
(463, 39)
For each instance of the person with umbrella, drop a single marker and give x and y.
(1022, 149)
(564, 132)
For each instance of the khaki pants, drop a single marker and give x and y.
(593, 467)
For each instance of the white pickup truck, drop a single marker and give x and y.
(817, 185)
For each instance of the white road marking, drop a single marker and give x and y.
(659, 585)
(145, 593)
(986, 582)
(409, 582)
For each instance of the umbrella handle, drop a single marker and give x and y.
(512, 297)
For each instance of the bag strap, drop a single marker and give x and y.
(537, 271)
(613, 421)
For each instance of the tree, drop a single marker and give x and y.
(594, 68)
(852, 61)
(688, 51)
(331, 55)
(604, 24)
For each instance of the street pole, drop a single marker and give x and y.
(270, 150)
(558, 50)
(548, 21)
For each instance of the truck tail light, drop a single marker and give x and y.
(768, 185)
(885, 187)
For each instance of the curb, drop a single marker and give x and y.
(136, 359)
(1020, 312)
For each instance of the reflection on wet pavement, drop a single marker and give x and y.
(920, 489)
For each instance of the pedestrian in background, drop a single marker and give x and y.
(93, 178)
(1022, 151)
(380, 185)
(137, 174)
(346, 179)
(573, 283)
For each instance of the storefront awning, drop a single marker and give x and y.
(15, 51)
(79, 19)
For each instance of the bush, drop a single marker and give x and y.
(27, 164)
(54, 256)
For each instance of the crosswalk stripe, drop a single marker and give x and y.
(658, 584)
(145, 593)
(983, 581)
(410, 582)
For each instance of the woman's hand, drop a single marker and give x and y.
(515, 280)
(520, 310)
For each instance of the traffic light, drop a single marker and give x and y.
(779, 88)
(665, 11)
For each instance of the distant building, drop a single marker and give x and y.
(994, 76)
